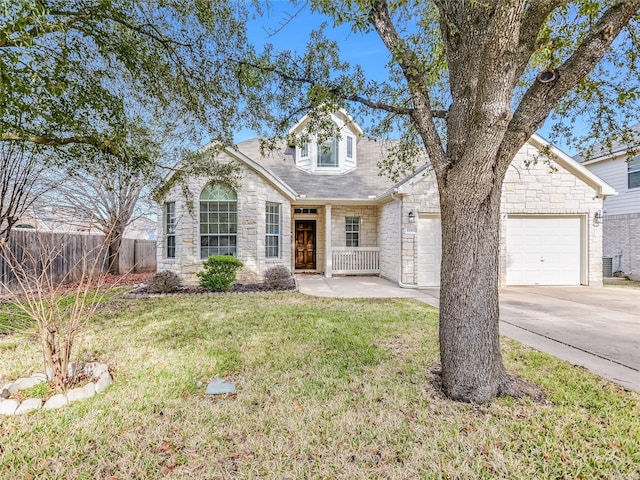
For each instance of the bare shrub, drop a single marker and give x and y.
(278, 278)
(164, 282)
(42, 304)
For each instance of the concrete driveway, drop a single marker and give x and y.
(597, 328)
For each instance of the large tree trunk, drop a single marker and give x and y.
(472, 368)
(113, 253)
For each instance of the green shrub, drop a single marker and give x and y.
(164, 282)
(219, 272)
(278, 278)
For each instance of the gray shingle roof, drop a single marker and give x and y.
(361, 183)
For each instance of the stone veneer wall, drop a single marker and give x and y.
(253, 194)
(389, 240)
(547, 189)
(539, 189)
(368, 224)
(622, 242)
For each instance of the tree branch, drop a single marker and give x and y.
(54, 141)
(540, 98)
(534, 18)
(421, 114)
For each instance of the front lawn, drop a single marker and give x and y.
(326, 388)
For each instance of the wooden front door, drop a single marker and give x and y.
(305, 244)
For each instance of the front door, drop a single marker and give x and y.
(305, 244)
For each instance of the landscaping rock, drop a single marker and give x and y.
(11, 388)
(29, 405)
(104, 381)
(40, 376)
(9, 407)
(96, 369)
(81, 393)
(25, 383)
(219, 386)
(55, 402)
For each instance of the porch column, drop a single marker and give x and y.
(328, 256)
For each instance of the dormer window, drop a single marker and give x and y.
(328, 154)
(332, 152)
(304, 150)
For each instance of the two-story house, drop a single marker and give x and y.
(618, 164)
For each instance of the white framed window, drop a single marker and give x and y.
(349, 147)
(328, 154)
(218, 221)
(304, 150)
(352, 230)
(170, 229)
(272, 236)
(633, 172)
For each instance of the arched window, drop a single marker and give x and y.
(218, 221)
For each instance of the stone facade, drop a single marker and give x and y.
(389, 239)
(530, 188)
(622, 243)
(253, 194)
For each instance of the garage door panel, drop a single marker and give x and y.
(543, 251)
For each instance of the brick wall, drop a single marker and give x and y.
(622, 242)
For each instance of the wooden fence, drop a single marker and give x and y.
(70, 255)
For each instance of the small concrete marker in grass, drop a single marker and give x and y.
(219, 386)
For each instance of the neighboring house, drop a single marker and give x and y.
(62, 219)
(326, 210)
(619, 166)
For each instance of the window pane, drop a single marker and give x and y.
(218, 221)
(171, 246)
(352, 230)
(633, 167)
(272, 230)
(349, 147)
(328, 153)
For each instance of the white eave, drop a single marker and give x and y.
(579, 170)
(348, 120)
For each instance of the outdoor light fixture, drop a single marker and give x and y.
(597, 218)
(412, 217)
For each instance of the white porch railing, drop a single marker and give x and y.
(355, 260)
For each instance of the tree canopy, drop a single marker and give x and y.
(83, 75)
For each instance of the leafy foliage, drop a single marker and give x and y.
(219, 272)
(164, 282)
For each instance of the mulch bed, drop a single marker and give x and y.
(237, 287)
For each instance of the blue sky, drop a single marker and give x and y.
(366, 50)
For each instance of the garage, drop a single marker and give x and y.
(429, 250)
(543, 250)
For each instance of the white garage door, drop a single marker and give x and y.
(429, 251)
(543, 251)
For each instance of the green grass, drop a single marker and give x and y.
(619, 282)
(326, 388)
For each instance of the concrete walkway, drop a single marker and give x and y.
(596, 328)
